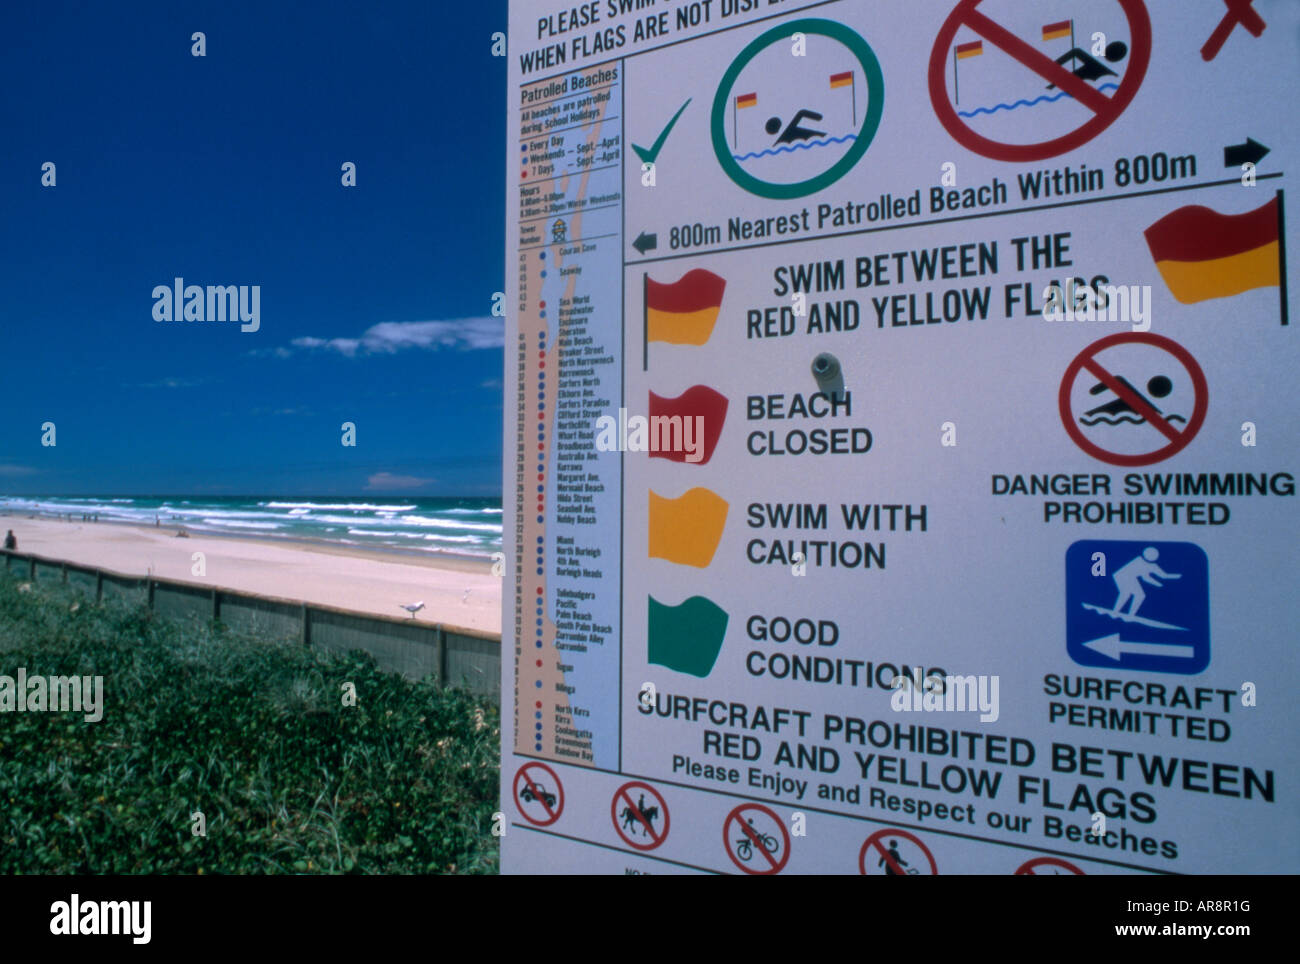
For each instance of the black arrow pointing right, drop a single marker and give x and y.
(646, 242)
(1251, 152)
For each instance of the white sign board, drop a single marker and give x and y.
(902, 439)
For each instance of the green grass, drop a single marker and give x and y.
(251, 732)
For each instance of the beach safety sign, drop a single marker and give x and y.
(973, 24)
(640, 815)
(1118, 422)
(896, 853)
(900, 438)
(1048, 866)
(755, 839)
(1151, 611)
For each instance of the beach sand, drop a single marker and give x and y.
(363, 580)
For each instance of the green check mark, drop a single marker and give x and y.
(648, 156)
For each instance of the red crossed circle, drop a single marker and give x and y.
(1105, 109)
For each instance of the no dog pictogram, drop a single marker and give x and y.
(539, 795)
(896, 853)
(1105, 110)
(641, 823)
(756, 840)
(1130, 414)
(1049, 866)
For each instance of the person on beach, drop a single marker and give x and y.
(11, 543)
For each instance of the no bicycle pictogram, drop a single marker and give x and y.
(1141, 403)
(896, 853)
(1047, 866)
(755, 839)
(1073, 84)
(539, 795)
(641, 822)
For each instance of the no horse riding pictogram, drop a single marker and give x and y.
(640, 821)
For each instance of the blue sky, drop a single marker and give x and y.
(225, 170)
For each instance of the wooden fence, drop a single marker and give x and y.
(452, 655)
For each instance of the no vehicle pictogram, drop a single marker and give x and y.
(756, 840)
(1137, 422)
(896, 853)
(1104, 109)
(1040, 866)
(539, 794)
(641, 822)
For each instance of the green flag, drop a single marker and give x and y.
(687, 637)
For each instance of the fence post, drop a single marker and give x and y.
(149, 582)
(216, 604)
(63, 567)
(99, 585)
(306, 625)
(442, 656)
(31, 573)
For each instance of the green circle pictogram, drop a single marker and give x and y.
(871, 76)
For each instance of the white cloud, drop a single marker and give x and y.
(16, 470)
(172, 382)
(387, 480)
(295, 410)
(390, 337)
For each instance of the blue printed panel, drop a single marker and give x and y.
(1138, 605)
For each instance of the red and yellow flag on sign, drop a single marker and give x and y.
(746, 100)
(684, 312)
(1203, 254)
(844, 79)
(972, 49)
(1062, 28)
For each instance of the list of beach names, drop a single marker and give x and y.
(569, 263)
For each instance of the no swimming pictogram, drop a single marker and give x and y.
(641, 823)
(755, 839)
(1130, 428)
(1105, 110)
(896, 853)
(539, 795)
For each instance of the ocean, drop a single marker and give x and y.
(464, 526)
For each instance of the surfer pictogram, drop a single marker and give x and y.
(1129, 579)
(1138, 605)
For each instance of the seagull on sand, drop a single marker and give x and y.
(413, 608)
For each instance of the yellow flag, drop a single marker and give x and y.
(687, 529)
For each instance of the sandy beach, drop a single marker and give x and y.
(455, 592)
